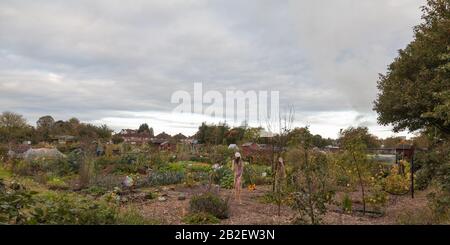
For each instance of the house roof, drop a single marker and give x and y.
(133, 133)
(180, 136)
(163, 135)
(158, 141)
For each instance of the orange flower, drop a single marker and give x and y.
(252, 187)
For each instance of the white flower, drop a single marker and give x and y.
(216, 167)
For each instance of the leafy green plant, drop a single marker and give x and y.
(347, 204)
(199, 167)
(254, 174)
(224, 177)
(15, 201)
(396, 182)
(439, 203)
(96, 190)
(151, 195)
(158, 178)
(200, 159)
(56, 183)
(59, 167)
(312, 189)
(200, 219)
(210, 203)
(71, 209)
(131, 216)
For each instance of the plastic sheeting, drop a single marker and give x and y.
(33, 154)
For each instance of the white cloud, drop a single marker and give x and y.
(94, 59)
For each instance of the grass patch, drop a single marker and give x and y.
(4, 174)
(131, 216)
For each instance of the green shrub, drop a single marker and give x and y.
(15, 200)
(150, 195)
(158, 178)
(224, 176)
(377, 199)
(96, 190)
(347, 204)
(75, 159)
(200, 159)
(199, 167)
(4, 173)
(71, 209)
(253, 174)
(200, 219)
(104, 161)
(192, 171)
(439, 203)
(343, 180)
(396, 182)
(129, 158)
(59, 167)
(174, 167)
(131, 216)
(422, 179)
(210, 203)
(20, 206)
(3, 151)
(56, 183)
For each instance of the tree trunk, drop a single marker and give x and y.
(361, 185)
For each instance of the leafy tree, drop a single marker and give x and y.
(252, 134)
(61, 127)
(151, 132)
(349, 135)
(213, 134)
(354, 158)
(299, 136)
(442, 111)
(234, 136)
(13, 127)
(12, 120)
(320, 142)
(392, 142)
(143, 128)
(89, 132)
(310, 180)
(414, 93)
(45, 122)
(44, 126)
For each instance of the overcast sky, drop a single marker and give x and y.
(118, 62)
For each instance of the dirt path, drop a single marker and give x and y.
(252, 211)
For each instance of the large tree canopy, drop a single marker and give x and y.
(414, 91)
(13, 127)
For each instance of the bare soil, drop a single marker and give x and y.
(253, 211)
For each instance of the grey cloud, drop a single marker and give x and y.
(92, 59)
